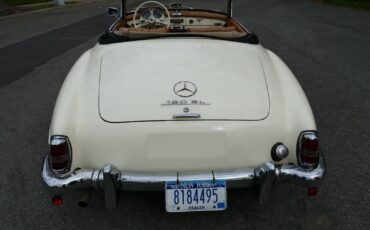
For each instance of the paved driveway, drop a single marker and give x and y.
(326, 47)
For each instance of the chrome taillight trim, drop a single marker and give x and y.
(312, 135)
(58, 140)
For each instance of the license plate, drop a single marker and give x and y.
(196, 196)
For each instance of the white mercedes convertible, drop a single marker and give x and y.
(180, 98)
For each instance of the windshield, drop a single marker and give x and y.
(186, 18)
(214, 5)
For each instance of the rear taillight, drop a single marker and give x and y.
(308, 149)
(60, 154)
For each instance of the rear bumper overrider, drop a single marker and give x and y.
(112, 180)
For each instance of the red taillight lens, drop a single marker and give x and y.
(308, 149)
(60, 154)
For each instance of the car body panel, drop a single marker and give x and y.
(178, 145)
(137, 80)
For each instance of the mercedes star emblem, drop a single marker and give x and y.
(185, 89)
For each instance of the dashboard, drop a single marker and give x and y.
(178, 20)
(156, 13)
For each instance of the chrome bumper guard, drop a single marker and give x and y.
(112, 180)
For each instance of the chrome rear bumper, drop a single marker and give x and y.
(111, 180)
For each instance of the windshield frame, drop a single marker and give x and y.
(110, 38)
(228, 8)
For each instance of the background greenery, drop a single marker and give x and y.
(360, 4)
(21, 2)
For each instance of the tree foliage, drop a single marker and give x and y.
(2, 4)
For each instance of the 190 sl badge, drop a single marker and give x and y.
(185, 102)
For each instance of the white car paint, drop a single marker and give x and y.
(243, 140)
(137, 78)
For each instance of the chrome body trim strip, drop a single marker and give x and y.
(186, 115)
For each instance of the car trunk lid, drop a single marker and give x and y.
(155, 80)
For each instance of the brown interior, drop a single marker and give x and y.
(231, 30)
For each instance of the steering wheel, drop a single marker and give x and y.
(151, 19)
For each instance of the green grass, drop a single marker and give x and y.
(22, 2)
(359, 4)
